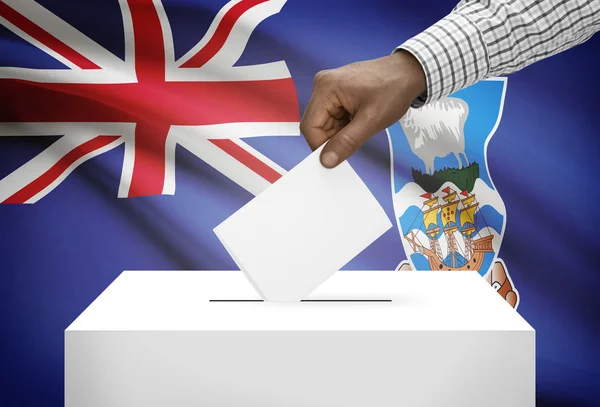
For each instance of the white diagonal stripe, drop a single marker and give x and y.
(236, 41)
(219, 160)
(36, 43)
(209, 33)
(259, 155)
(71, 168)
(34, 168)
(66, 33)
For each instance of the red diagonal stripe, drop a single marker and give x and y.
(247, 159)
(45, 37)
(223, 30)
(47, 178)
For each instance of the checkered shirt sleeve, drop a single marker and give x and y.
(485, 38)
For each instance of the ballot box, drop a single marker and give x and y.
(362, 339)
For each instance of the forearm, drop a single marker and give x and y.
(481, 39)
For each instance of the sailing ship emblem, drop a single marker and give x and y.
(449, 214)
(457, 224)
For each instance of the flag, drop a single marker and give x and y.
(151, 101)
(129, 129)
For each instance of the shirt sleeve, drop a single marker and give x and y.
(485, 38)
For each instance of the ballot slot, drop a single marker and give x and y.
(316, 300)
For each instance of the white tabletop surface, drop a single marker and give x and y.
(181, 301)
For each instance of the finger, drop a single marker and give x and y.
(347, 140)
(314, 119)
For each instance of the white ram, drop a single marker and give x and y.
(436, 130)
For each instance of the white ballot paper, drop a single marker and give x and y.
(302, 229)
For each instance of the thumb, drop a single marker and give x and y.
(349, 139)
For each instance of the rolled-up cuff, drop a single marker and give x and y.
(453, 55)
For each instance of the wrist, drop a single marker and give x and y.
(409, 75)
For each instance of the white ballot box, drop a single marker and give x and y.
(362, 339)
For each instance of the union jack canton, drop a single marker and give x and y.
(149, 101)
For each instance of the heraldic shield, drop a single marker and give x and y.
(448, 211)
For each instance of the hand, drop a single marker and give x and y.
(351, 104)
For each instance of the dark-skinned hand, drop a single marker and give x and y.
(351, 104)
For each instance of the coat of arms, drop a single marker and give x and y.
(448, 211)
